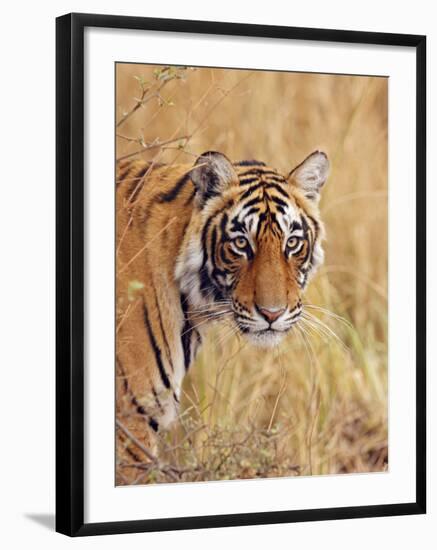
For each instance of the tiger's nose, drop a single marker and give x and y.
(271, 314)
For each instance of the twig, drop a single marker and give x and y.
(153, 145)
(130, 435)
(126, 314)
(127, 138)
(123, 235)
(142, 101)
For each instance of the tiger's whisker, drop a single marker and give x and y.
(206, 314)
(329, 314)
(203, 322)
(324, 326)
(317, 330)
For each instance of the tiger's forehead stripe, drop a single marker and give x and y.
(251, 162)
(263, 188)
(259, 171)
(261, 176)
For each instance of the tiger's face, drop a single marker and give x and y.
(254, 242)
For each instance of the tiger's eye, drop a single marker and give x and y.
(240, 242)
(292, 242)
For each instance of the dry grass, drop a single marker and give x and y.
(318, 404)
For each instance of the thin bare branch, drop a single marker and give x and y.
(153, 145)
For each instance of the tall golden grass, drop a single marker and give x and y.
(318, 403)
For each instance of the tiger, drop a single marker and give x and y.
(197, 244)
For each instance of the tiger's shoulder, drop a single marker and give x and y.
(142, 182)
(154, 205)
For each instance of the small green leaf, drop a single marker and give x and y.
(132, 288)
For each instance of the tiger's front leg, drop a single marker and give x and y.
(154, 352)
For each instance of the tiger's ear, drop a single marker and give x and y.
(311, 174)
(212, 174)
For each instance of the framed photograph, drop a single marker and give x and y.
(240, 274)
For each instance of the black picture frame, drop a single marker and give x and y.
(70, 273)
